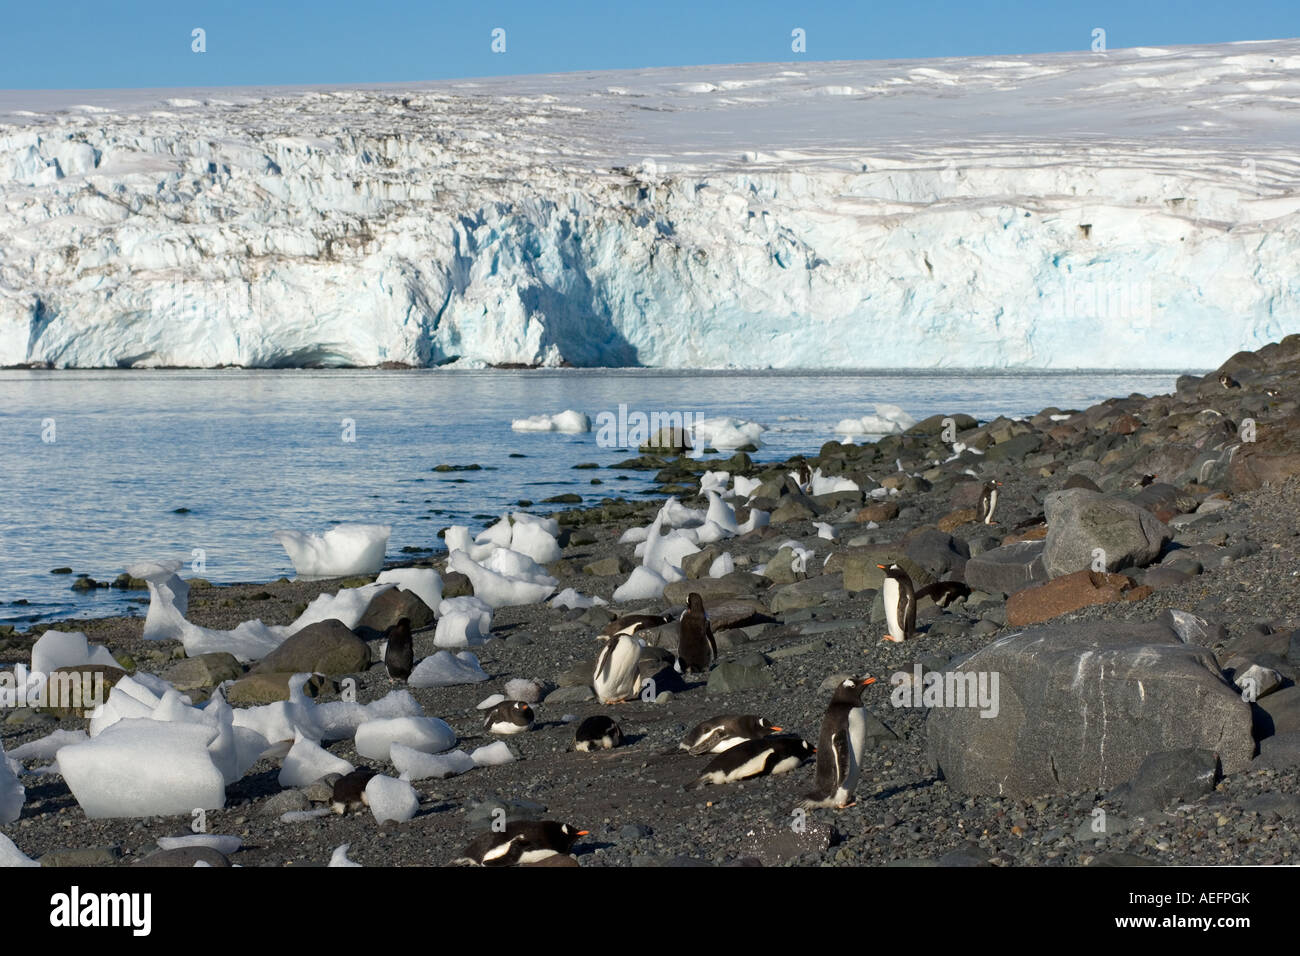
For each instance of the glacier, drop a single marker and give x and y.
(1124, 209)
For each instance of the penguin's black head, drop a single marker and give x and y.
(695, 602)
(767, 726)
(523, 710)
(570, 834)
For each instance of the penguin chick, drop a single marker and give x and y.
(524, 841)
(754, 758)
(399, 656)
(350, 791)
(725, 731)
(696, 647)
(509, 717)
(840, 746)
(899, 598)
(597, 733)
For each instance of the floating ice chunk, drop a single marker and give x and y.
(536, 542)
(57, 649)
(502, 590)
(10, 855)
(725, 434)
(418, 765)
(307, 761)
(521, 688)
(222, 844)
(340, 855)
(342, 550)
(570, 598)
(424, 583)
(722, 565)
(642, 585)
(445, 669)
(492, 755)
(491, 701)
(497, 534)
(145, 768)
(430, 735)
(48, 746)
(391, 799)
(169, 597)
(339, 719)
(549, 525)
(457, 539)
(566, 421)
(888, 419)
(745, 487)
(757, 519)
(12, 793)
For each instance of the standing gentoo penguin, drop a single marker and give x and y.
(754, 758)
(597, 733)
(399, 656)
(988, 501)
(350, 791)
(696, 648)
(725, 731)
(616, 676)
(524, 841)
(509, 717)
(899, 598)
(840, 747)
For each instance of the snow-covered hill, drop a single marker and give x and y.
(1137, 208)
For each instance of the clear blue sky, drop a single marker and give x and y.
(106, 44)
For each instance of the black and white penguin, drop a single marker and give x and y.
(754, 758)
(509, 717)
(943, 593)
(1146, 480)
(899, 598)
(399, 656)
(988, 501)
(725, 731)
(696, 648)
(1227, 381)
(524, 841)
(840, 747)
(616, 676)
(597, 733)
(350, 791)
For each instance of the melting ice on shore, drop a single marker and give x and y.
(887, 420)
(445, 669)
(463, 622)
(307, 761)
(10, 855)
(391, 799)
(566, 421)
(505, 578)
(57, 649)
(12, 793)
(375, 738)
(424, 583)
(342, 550)
(726, 434)
(418, 765)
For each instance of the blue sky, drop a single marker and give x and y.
(84, 45)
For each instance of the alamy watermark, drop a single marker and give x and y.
(977, 689)
(73, 690)
(1129, 302)
(624, 429)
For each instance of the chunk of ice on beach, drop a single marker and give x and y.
(340, 855)
(887, 420)
(502, 590)
(424, 583)
(48, 746)
(492, 755)
(674, 514)
(745, 487)
(55, 649)
(342, 550)
(634, 535)
(825, 485)
(549, 525)
(445, 669)
(462, 622)
(145, 768)
(757, 519)
(418, 765)
(12, 793)
(10, 855)
(391, 799)
(536, 542)
(642, 585)
(216, 841)
(566, 421)
(491, 701)
(496, 534)
(169, 597)
(721, 513)
(571, 599)
(457, 538)
(339, 719)
(824, 530)
(716, 481)
(375, 738)
(722, 565)
(307, 761)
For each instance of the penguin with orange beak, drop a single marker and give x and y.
(522, 841)
(840, 747)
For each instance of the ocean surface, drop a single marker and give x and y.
(94, 465)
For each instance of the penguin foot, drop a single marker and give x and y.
(892, 639)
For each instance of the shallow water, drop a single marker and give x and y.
(251, 452)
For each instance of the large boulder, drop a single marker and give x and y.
(1080, 706)
(1007, 569)
(327, 647)
(1085, 529)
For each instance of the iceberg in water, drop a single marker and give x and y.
(342, 550)
(565, 421)
(887, 420)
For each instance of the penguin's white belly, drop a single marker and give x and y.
(726, 743)
(616, 674)
(507, 727)
(889, 597)
(993, 503)
(532, 856)
(857, 746)
(786, 765)
(750, 768)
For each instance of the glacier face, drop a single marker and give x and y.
(1138, 208)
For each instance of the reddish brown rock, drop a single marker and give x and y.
(1036, 533)
(1069, 593)
(879, 512)
(1125, 425)
(955, 519)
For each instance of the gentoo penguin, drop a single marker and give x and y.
(597, 733)
(399, 657)
(524, 841)
(1146, 480)
(988, 501)
(616, 676)
(696, 648)
(350, 791)
(509, 717)
(640, 620)
(899, 598)
(840, 747)
(1227, 381)
(723, 732)
(754, 758)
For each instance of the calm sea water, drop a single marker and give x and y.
(252, 452)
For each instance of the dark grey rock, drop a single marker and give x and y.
(1007, 569)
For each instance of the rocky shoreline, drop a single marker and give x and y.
(1144, 558)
